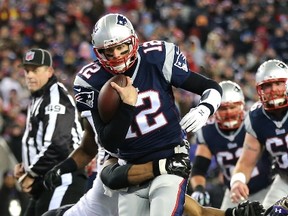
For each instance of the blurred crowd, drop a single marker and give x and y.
(223, 39)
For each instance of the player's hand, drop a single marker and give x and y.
(248, 208)
(128, 94)
(239, 192)
(195, 118)
(201, 196)
(280, 208)
(52, 178)
(178, 164)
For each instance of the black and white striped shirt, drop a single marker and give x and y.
(53, 129)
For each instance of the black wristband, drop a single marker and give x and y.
(155, 166)
(67, 166)
(229, 212)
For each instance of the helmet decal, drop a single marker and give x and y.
(121, 20)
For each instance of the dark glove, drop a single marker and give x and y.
(246, 208)
(178, 164)
(52, 178)
(201, 196)
(280, 208)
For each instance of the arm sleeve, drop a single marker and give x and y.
(200, 166)
(115, 176)
(198, 83)
(113, 133)
(210, 90)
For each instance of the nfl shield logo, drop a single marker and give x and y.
(29, 56)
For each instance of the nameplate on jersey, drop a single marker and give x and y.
(55, 108)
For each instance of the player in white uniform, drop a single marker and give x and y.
(266, 127)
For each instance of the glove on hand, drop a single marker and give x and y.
(178, 164)
(201, 196)
(247, 208)
(195, 118)
(52, 178)
(280, 208)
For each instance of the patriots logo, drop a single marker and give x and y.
(181, 61)
(29, 56)
(86, 98)
(121, 20)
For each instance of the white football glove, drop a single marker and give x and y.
(195, 118)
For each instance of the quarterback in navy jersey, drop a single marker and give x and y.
(223, 137)
(147, 126)
(155, 129)
(267, 128)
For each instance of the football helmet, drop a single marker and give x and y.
(230, 114)
(272, 71)
(112, 30)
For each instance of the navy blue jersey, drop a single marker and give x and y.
(273, 135)
(227, 149)
(155, 129)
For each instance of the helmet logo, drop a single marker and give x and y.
(121, 20)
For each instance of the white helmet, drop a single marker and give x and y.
(112, 30)
(232, 98)
(272, 71)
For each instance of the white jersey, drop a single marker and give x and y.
(95, 202)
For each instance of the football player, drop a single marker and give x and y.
(266, 128)
(117, 177)
(224, 138)
(147, 126)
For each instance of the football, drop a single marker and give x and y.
(109, 99)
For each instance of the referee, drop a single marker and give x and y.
(52, 133)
